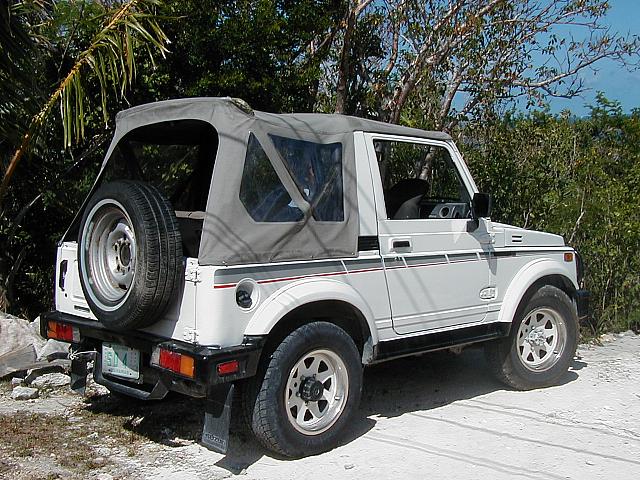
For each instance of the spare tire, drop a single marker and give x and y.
(129, 254)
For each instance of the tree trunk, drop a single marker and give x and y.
(342, 91)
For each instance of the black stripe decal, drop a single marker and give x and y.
(267, 272)
(425, 260)
(523, 253)
(462, 257)
(235, 274)
(504, 254)
(392, 262)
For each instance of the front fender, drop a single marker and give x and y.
(526, 277)
(303, 292)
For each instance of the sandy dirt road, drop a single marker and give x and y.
(437, 416)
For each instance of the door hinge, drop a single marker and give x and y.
(192, 273)
(488, 239)
(190, 335)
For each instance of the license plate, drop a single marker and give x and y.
(120, 361)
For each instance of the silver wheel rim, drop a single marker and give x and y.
(307, 415)
(109, 254)
(541, 339)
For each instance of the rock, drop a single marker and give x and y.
(104, 476)
(607, 337)
(349, 466)
(51, 380)
(17, 333)
(16, 381)
(99, 462)
(38, 369)
(24, 393)
(53, 349)
(17, 360)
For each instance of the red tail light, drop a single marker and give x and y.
(63, 332)
(228, 368)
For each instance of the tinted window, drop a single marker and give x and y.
(261, 191)
(317, 170)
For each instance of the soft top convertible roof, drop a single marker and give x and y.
(317, 123)
(230, 236)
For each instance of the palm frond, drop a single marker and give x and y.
(111, 59)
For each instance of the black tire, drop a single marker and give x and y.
(264, 395)
(506, 356)
(151, 255)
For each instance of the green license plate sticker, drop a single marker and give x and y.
(120, 361)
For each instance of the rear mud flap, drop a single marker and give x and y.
(217, 416)
(79, 375)
(80, 368)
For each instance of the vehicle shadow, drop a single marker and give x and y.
(391, 389)
(432, 380)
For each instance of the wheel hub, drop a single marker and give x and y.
(316, 391)
(536, 337)
(541, 339)
(311, 390)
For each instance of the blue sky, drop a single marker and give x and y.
(614, 81)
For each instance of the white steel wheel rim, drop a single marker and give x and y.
(311, 416)
(541, 339)
(108, 254)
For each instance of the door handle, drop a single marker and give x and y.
(401, 244)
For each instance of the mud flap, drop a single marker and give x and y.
(79, 375)
(217, 416)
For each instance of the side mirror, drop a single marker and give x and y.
(481, 205)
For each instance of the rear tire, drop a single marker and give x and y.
(129, 255)
(306, 392)
(541, 344)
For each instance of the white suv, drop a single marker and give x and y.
(222, 247)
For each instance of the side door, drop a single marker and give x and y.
(436, 258)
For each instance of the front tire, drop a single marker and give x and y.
(541, 344)
(306, 392)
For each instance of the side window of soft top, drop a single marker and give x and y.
(317, 170)
(261, 192)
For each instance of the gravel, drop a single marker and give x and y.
(438, 416)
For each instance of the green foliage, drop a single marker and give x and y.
(261, 51)
(578, 178)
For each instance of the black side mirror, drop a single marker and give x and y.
(481, 205)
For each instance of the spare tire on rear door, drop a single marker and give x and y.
(129, 254)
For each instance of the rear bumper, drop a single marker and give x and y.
(155, 382)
